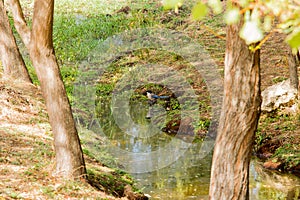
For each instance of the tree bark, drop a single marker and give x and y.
(19, 20)
(293, 69)
(238, 120)
(69, 156)
(12, 61)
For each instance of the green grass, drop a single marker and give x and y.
(79, 26)
(280, 128)
(112, 183)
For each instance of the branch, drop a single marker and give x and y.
(19, 21)
(262, 42)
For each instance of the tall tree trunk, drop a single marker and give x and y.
(12, 61)
(238, 121)
(69, 156)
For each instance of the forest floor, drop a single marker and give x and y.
(278, 134)
(26, 151)
(27, 162)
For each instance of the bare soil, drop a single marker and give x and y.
(26, 151)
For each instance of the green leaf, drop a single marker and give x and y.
(267, 23)
(199, 11)
(216, 6)
(170, 4)
(251, 32)
(294, 39)
(274, 6)
(255, 15)
(232, 16)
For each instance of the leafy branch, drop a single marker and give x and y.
(260, 18)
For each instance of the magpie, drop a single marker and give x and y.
(152, 98)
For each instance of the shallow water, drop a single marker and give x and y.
(167, 167)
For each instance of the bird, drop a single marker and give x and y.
(152, 98)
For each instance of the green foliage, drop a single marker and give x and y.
(75, 35)
(279, 128)
(232, 15)
(174, 104)
(104, 89)
(92, 8)
(199, 11)
(259, 17)
(202, 124)
(68, 74)
(278, 79)
(251, 31)
(172, 4)
(288, 153)
(216, 6)
(294, 39)
(113, 182)
(49, 191)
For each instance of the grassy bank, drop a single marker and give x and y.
(79, 27)
(26, 142)
(27, 164)
(278, 142)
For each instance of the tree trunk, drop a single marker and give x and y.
(238, 121)
(19, 20)
(293, 69)
(12, 61)
(69, 157)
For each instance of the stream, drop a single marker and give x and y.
(167, 167)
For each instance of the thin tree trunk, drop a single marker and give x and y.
(19, 21)
(293, 69)
(69, 156)
(238, 121)
(12, 61)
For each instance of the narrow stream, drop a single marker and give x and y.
(142, 149)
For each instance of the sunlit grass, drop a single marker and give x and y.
(89, 7)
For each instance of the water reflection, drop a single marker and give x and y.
(151, 156)
(266, 184)
(187, 178)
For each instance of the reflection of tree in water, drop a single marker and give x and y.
(186, 178)
(140, 136)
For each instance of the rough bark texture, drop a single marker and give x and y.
(19, 20)
(293, 69)
(12, 61)
(69, 157)
(238, 121)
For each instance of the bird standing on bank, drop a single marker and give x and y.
(152, 98)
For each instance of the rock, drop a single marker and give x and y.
(280, 96)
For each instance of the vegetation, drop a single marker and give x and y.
(210, 33)
(78, 28)
(277, 140)
(26, 154)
